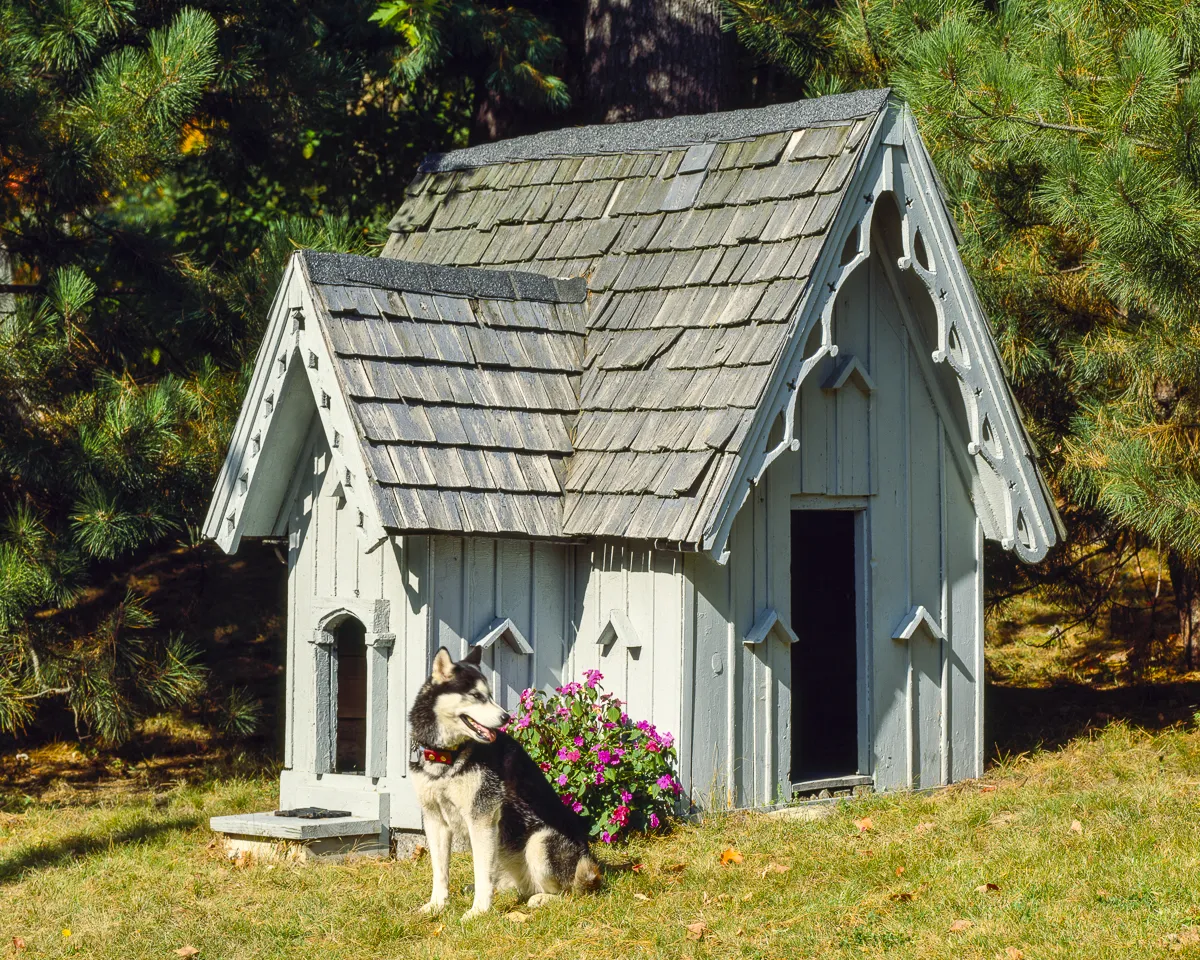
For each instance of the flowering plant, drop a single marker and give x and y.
(618, 775)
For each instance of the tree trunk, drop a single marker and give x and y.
(1185, 584)
(652, 58)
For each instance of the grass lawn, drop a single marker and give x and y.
(1090, 851)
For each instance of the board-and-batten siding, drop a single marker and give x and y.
(560, 597)
(920, 544)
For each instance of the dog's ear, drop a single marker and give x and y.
(474, 657)
(443, 666)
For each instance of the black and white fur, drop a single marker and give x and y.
(520, 832)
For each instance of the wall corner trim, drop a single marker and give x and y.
(503, 627)
(912, 621)
(769, 622)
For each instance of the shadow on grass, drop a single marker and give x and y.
(79, 845)
(1019, 719)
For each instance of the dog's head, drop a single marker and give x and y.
(461, 700)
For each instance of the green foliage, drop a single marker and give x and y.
(618, 775)
(509, 49)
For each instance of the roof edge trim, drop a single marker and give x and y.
(649, 135)
(387, 274)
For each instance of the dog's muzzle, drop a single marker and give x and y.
(479, 731)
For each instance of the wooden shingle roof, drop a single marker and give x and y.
(463, 385)
(697, 237)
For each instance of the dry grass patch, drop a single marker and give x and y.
(1088, 852)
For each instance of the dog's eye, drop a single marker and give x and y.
(480, 697)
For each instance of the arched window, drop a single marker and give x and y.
(351, 647)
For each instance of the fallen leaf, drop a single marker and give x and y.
(730, 855)
(188, 951)
(959, 925)
(864, 824)
(987, 888)
(641, 896)
(697, 930)
(902, 897)
(899, 871)
(775, 868)
(676, 868)
(1187, 937)
(922, 828)
(1076, 826)
(988, 788)
(747, 898)
(638, 867)
(516, 916)
(18, 943)
(417, 853)
(1012, 953)
(437, 929)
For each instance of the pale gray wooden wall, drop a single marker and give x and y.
(919, 544)
(560, 597)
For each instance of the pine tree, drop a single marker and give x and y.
(93, 462)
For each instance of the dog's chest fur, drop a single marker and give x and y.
(460, 790)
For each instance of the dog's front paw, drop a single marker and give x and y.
(433, 907)
(473, 913)
(540, 900)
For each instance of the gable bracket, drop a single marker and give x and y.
(619, 628)
(502, 628)
(769, 624)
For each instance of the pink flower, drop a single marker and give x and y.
(599, 777)
(579, 741)
(606, 836)
(665, 782)
(592, 677)
(562, 779)
(653, 820)
(568, 800)
(603, 756)
(577, 807)
(523, 722)
(651, 746)
(626, 796)
(545, 765)
(572, 755)
(620, 816)
(563, 712)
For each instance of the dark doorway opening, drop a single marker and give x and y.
(824, 659)
(351, 639)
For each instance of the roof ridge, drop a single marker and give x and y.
(411, 277)
(647, 135)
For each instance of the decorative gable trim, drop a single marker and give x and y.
(1012, 499)
(850, 370)
(916, 619)
(768, 624)
(274, 424)
(503, 628)
(619, 628)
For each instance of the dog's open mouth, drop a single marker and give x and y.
(479, 730)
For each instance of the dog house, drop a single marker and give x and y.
(708, 404)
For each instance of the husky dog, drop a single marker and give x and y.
(471, 777)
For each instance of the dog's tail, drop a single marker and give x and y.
(587, 874)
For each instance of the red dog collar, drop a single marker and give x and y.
(438, 756)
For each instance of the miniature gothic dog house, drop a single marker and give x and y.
(707, 403)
